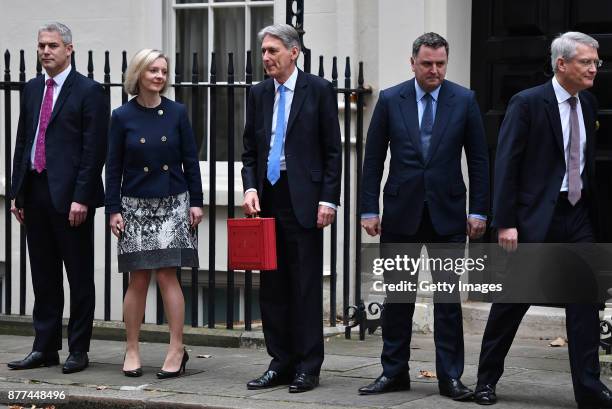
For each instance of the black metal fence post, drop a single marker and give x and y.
(333, 255)
(358, 160)
(22, 230)
(90, 65)
(212, 159)
(347, 181)
(230, 183)
(196, 104)
(107, 230)
(248, 275)
(124, 99)
(7, 189)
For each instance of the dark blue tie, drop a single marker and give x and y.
(427, 125)
(279, 137)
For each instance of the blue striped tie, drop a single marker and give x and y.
(279, 137)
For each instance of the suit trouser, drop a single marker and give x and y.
(569, 225)
(291, 297)
(448, 320)
(51, 243)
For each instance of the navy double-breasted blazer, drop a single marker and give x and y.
(151, 153)
(414, 180)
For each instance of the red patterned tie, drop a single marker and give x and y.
(40, 162)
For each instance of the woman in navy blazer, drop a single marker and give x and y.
(154, 199)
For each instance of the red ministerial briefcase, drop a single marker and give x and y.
(251, 244)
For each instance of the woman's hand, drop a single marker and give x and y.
(195, 216)
(116, 224)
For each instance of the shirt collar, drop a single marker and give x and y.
(560, 92)
(290, 83)
(61, 77)
(420, 93)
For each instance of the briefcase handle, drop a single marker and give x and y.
(250, 216)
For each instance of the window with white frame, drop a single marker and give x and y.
(219, 26)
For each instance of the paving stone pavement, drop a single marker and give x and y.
(536, 377)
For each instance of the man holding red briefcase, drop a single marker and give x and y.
(291, 171)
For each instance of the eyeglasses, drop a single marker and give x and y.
(587, 63)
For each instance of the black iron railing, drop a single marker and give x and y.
(197, 91)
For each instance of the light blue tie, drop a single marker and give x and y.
(426, 125)
(279, 137)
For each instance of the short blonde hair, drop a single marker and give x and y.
(139, 62)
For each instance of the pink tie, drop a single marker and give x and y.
(573, 193)
(40, 162)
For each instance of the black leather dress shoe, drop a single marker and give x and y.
(269, 379)
(35, 359)
(602, 399)
(383, 384)
(303, 383)
(76, 361)
(485, 395)
(455, 389)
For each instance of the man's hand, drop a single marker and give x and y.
(77, 215)
(325, 216)
(371, 225)
(195, 216)
(19, 214)
(116, 224)
(251, 204)
(508, 239)
(475, 227)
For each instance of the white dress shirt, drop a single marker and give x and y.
(564, 112)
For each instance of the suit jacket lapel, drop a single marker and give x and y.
(268, 109)
(443, 112)
(66, 88)
(552, 109)
(37, 100)
(589, 126)
(299, 95)
(409, 110)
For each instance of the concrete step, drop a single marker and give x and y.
(115, 331)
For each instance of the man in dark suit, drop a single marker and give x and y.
(292, 167)
(426, 122)
(56, 186)
(544, 193)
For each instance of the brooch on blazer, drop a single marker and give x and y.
(597, 125)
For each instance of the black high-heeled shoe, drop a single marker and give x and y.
(166, 374)
(132, 373)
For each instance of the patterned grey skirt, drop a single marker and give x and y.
(157, 234)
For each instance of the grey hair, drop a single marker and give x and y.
(564, 46)
(432, 40)
(60, 28)
(284, 32)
